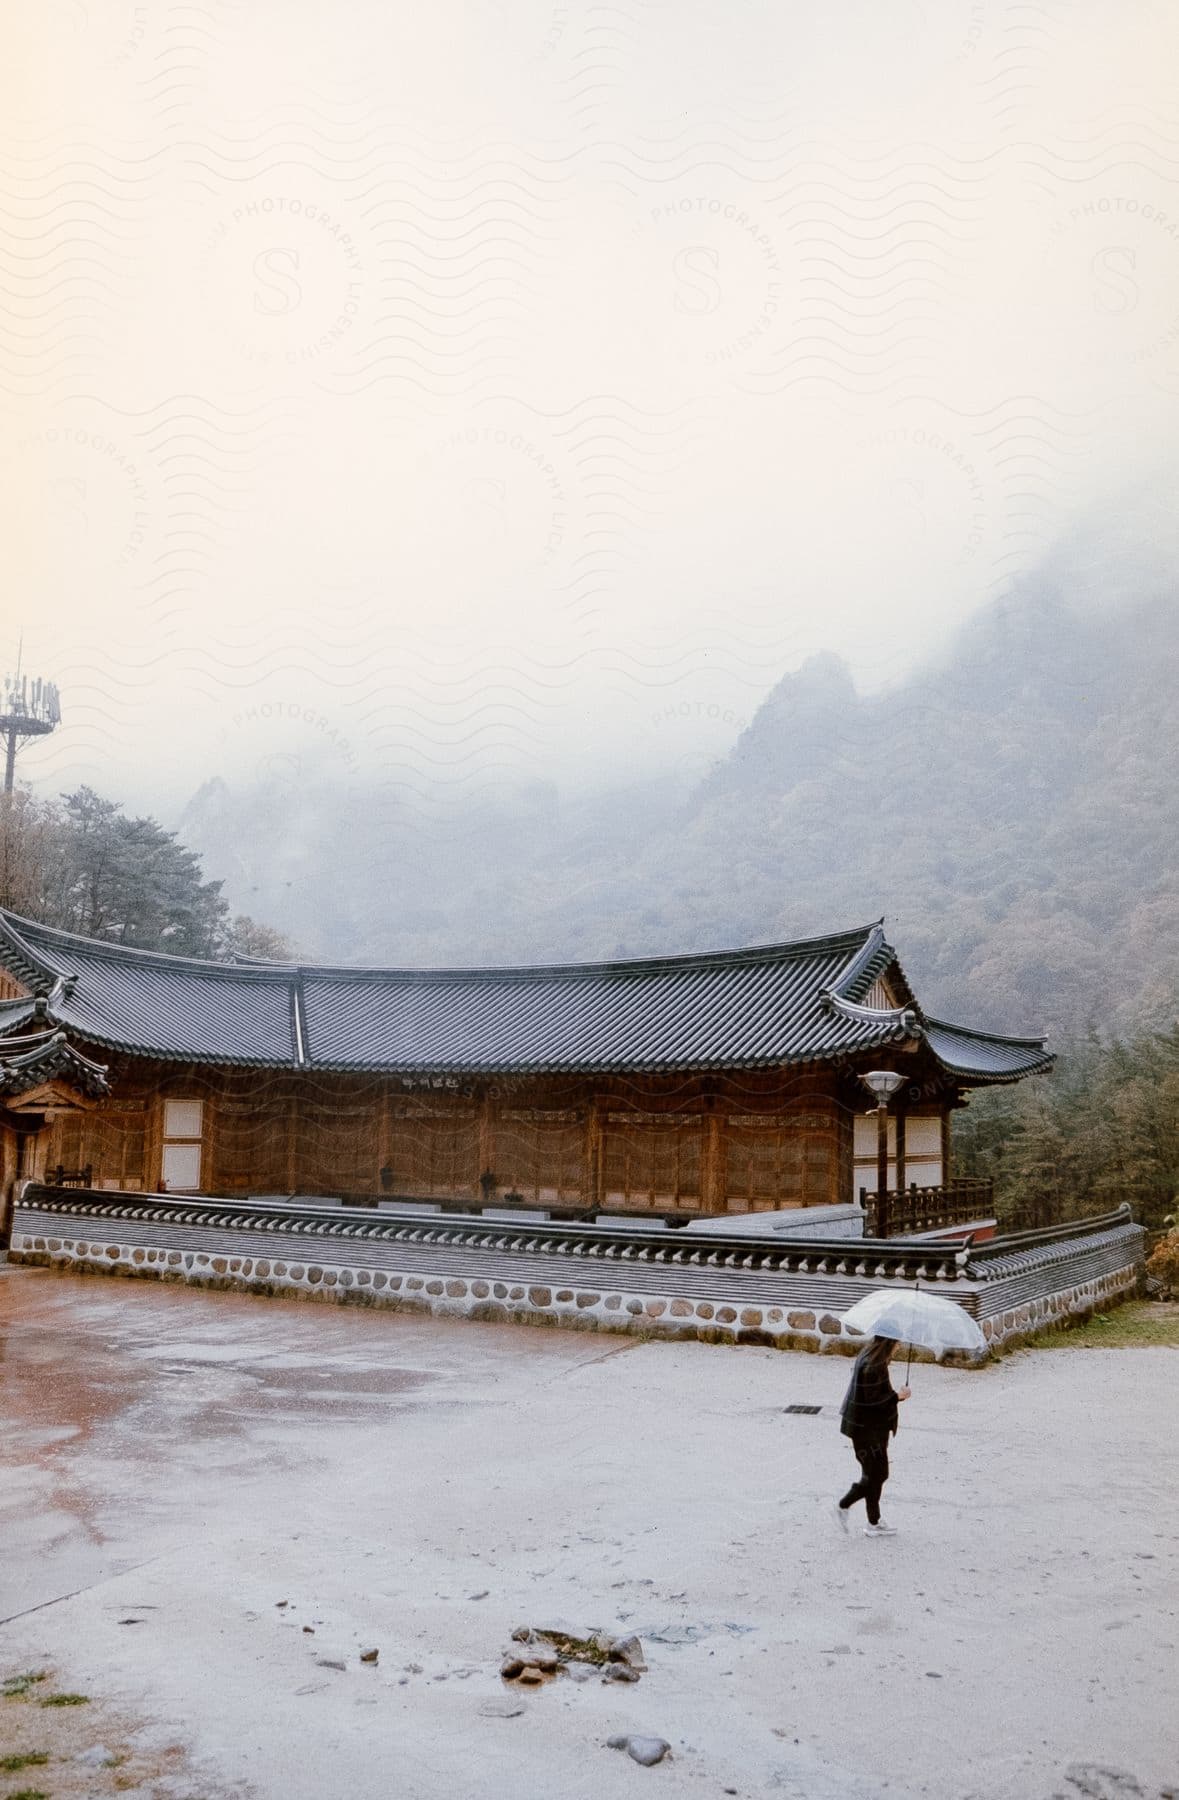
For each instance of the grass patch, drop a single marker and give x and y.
(29, 1794)
(30, 1759)
(17, 1686)
(1128, 1327)
(65, 1700)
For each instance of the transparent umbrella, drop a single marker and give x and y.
(914, 1317)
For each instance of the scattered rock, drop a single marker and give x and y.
(310, 1630)
(565, 1650)
(628, 1650)
(645, 1750)
(369, 1656)
(481, 1595)
(329, 1662)
(508, 1708)
(97, 1757)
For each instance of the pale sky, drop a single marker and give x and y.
(493, 390)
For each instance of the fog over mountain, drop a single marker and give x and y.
(454, 394)
(1011, 811)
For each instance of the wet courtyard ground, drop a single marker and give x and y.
(209, 1501)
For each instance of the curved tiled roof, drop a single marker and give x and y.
(980, 1055)
(27, 1062)
(760, 1007)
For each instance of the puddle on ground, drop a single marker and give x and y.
(371, 1382)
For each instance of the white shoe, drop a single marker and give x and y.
(840, 1517)
(880, 1530)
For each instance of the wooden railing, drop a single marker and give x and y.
(63, 1177)
(907, 1211)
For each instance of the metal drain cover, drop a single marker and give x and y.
(802, 1409)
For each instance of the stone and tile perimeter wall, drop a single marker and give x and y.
(716, 1290)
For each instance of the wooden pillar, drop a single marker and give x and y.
(882, 1171)
(947, 1172)
(292, 1141)
(488, 1117)
(384, 1132)
(844, 1187)
(712, 1168)
(211, 1182)
(9, 1142)
(595, 1158)
(900, 1159)
(153, 1144)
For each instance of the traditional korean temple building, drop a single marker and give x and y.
(725, 1082)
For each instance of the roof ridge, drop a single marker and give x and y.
(874, 942)
(858, 939)
(681, 960)
(123, 952)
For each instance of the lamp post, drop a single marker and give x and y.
(883, 1083)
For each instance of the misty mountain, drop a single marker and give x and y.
(1011, 811)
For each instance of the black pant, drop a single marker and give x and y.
(872, 1456)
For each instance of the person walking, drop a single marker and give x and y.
(868, 1417)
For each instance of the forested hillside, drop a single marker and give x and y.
(1013, 814)
(84, 865)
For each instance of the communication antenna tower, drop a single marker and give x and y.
(29, 709)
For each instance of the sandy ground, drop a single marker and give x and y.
(175, 1465)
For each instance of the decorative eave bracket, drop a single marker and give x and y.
(900, 1019)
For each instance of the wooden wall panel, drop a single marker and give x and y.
(652, 1161)
(764, 1139)
(65, 1142)
(112, 1139)
(763, 1164)
(338, 1139)
(788, 1159)
(247, 1151)
(434, 1151)
(541, 1154)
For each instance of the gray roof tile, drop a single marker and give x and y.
(979, 1054)
(760, 1007)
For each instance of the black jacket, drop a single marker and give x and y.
(869, 1407)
